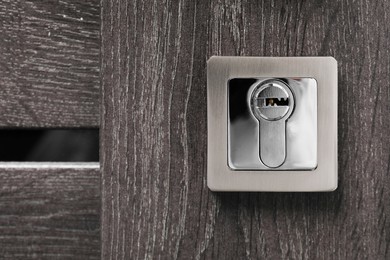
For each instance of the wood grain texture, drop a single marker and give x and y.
(155, 201)
(49, 66)
(49, 214)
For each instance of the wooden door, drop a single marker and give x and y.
(49, 78)
(156, 204)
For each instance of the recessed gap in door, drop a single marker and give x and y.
(49, 145)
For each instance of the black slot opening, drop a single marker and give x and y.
(49, 145)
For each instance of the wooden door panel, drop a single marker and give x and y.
(49, 213)
(155, 200)
(49, 66)
(49, 78)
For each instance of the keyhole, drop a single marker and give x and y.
(269, 102)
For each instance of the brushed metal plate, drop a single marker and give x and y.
(220, 177)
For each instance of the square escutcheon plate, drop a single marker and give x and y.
(234, 163)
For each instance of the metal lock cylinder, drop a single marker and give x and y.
(272, 103)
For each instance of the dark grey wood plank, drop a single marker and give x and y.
(49, 66)
(49, 213)
(155, 200)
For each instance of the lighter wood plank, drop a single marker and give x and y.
(155, 200)
(49, 66)
(49, 213)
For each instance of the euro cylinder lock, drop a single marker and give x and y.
(272, 103)
(272, 123)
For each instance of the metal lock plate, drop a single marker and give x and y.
(272, 123)
(251, 96)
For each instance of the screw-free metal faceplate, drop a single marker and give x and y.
(221, 177)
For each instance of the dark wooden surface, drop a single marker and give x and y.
(155, 200)
(49, 77)
(49, 214)
(49, 65)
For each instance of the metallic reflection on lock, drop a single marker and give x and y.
(272, 124)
